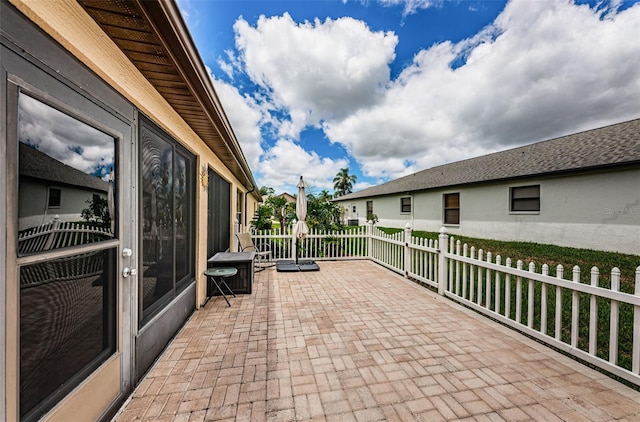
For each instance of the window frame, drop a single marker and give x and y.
(524, 199)
(404, 205)
(59, 195)
(446, 210)
(239, 207)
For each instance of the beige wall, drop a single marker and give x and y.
(67, 23)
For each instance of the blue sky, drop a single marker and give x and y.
(390, 87)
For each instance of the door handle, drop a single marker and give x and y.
(129, 272)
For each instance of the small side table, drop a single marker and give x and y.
(242, 282)
(217, 275)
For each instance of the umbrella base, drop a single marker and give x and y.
(291, 266)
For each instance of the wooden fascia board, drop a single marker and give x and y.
(166, 20)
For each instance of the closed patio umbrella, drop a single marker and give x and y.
(300, 230)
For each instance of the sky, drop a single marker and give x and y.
(387, 88)
(65, 138)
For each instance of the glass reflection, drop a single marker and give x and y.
(66, 321)
(66, 180)
(157, 232)
(182, 219)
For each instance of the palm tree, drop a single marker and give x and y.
(324, 195)
(343, 182)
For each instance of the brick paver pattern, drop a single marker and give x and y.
(356, 342)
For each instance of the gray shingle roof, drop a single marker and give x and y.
(609, 146)
(34, 163)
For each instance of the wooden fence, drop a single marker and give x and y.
(582, 316)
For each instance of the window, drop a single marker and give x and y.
(369, 208)
(525, 198)
(55, 197)
(81, 169)
(405, 205)
(452, 208)
(67, 297)
(168, 240)
(354, 209)
(219, 214)
(239, 206)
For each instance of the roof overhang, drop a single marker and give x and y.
(153, 35)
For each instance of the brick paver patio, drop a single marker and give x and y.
(355, 342)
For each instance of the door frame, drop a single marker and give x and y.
(128, 285)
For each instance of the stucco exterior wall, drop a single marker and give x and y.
(598, 211)
(70, 26)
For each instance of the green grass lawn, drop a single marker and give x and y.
(552, 255)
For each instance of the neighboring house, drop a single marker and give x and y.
(580, 190)
(288, 197)
(53, 190)
(101, 86)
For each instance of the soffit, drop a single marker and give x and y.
(153, 36)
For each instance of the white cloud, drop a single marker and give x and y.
(316, 70)
(543, 69)
(411, 6)
(282, 166)
(65, 138)
(231, 64)
(245, 117)
(226, 67)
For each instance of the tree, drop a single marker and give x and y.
(266, 191)
(278, 205)
(322, 214)
(98, 211)
(343, 182)
(262, 219)
(324, 195)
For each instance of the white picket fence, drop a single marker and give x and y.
(335, 245)
(60, 234)
(563, 313)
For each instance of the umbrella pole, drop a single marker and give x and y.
(296, 250)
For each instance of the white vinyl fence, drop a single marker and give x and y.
(336, 245)
(59, 234)
(584, 315)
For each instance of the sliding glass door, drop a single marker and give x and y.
(168, 204)
(219, 210)
(166, 284)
